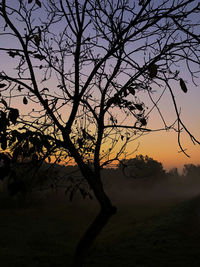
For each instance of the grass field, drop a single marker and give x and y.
(142, 234)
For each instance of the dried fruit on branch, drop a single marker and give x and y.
(25, 101)
(38, 3)
(2, 85)
(143, 122)
(131, 90)
(153, 70)
(183, 85)
(139, 106)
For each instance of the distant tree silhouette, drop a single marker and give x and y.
(173, 172)
(191, 170)
(142, 167)
(73, 76)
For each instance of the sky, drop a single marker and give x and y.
(161, 145)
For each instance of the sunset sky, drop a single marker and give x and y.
(161, 145)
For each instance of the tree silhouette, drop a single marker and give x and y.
(142, 167)
(73, 78)
(191, 170)
(173, 172)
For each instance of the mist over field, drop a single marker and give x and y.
(55, 183)
(157, 220)
(126, 190)
(129, 191)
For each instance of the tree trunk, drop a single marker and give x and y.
(90, 235)
(106, 212)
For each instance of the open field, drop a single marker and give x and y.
(149, 232)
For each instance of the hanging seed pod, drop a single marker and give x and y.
(38, 3)
(25, 101)
(143, 122)
(153, 70)
(183, 86)
(37, 40)
(2, 85)
(4, 103)
(139, 106)
(131, 90)
(125, 93)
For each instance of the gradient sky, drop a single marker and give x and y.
(162, 146)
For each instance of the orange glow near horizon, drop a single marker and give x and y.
(161, 146)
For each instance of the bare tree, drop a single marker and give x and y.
(76, 75)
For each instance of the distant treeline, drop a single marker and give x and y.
(26, 177)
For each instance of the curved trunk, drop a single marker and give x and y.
(90, 235)
(106, 212)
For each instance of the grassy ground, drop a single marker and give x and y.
(140, 235)
(150, 236)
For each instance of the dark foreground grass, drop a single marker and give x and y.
(169, 237)
(140, 235)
